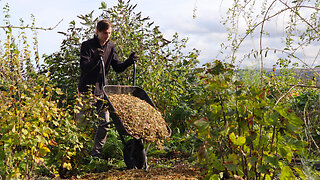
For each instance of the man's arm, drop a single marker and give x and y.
(120, 66)
(88, 59)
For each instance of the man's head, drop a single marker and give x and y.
(104, 29)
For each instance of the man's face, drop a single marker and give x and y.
(104, 36)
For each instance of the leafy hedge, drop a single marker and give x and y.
(232, 124)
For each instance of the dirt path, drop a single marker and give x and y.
(159, 168)
(157, 173)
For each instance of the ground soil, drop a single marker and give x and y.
(173, 167)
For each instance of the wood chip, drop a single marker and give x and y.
(139, 118)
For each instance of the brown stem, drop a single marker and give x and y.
(224, 114)
(31, 27)
(222, 157)
(277, 142)
(267, 19)
(297, 13)
(272, 139)
(260, 136)
(261, 33)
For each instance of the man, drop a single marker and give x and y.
(92, 74)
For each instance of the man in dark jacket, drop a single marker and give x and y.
(92, 74)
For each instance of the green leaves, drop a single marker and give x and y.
(289, 119)
(243, 127)
(103, 5)
(30, 113)
(202, 124)
(286, 153)
(254, 135)
(237, 140)
(286, 173)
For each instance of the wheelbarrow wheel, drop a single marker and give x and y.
(134, 154)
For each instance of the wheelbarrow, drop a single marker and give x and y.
(134, 151)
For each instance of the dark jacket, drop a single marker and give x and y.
(91, 68)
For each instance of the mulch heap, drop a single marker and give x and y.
(139, 118)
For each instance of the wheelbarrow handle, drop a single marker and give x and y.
(134, 73)
(103, 71)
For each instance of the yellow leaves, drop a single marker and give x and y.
(67, 166)
(45, 134)
(58, 91)
(56, 173)
(286, 173)
(41, 119)
(16, 173)
(39, 160)
(237, 140)
(14, 129)
(52, 143)
(24, 131)
(70, 154)
(28, 105)
(43, 150)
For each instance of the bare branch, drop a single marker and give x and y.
(261, 34)
(303, 19)
(268, 18)
(31, 27)
(306, 86)
(292, 55)
(285, 94)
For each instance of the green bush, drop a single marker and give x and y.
(36, 136)
(247, 132)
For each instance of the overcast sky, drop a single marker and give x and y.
(205, 32)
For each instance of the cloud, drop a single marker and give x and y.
(48, 14)
(171, 16)
(205, 32)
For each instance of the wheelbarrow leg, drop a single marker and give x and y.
(127, 154)
(145, 157)
(134, 153)
(138, 154)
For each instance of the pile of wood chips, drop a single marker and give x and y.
(139, 118)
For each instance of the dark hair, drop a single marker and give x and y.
(103, 25)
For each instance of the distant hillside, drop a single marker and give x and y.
(306, 74)
(303, 73)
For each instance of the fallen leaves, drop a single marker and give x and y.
(158, 173)
(171, 165)
(179, 170)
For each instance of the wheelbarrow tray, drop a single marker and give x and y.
(124, 89)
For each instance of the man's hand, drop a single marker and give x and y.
(98, 53)
(133, 56)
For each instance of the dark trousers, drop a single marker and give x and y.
(103, 127)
